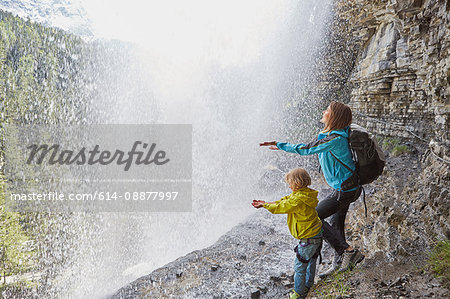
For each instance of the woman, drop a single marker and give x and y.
(332, 144)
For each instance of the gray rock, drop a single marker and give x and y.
(215, 267)
(255, 294)
(287, 283)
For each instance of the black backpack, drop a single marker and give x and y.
(368, 156)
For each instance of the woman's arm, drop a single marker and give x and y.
(317, 146)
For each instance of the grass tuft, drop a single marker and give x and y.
(439, 261)
(389, 143)
(335, 286)
(400, 150)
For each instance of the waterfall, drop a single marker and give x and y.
(231, 69)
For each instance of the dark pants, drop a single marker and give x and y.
(336, 205)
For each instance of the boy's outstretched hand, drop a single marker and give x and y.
(272, 145)
(258, 203)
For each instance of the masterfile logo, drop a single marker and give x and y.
(99, 167)
(83, 156)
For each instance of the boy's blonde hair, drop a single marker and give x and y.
(298, 177)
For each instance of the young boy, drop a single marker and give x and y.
(304, 224)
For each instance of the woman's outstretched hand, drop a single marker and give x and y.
(258, 203)
(272, 145)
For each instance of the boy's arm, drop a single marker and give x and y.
(282, 206)
(260, 203)
(317, 146)
(278, 201)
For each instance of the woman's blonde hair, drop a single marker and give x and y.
(298, 177)
(340, 117)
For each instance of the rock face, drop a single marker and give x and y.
(399, 88)
(404, 219)
(402, 73)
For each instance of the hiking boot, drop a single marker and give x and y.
(350, 259)
(358, 258)
(334, 267)
(294, 295)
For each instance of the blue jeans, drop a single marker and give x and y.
(305, 272)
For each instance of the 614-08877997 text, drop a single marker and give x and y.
(142, 195)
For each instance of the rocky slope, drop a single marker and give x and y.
(255, 259)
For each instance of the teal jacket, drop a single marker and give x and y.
(337, 143)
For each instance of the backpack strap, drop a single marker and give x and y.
(353, 181)
(364, 200)
(348, 168)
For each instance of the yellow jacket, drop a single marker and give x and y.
(302, 217)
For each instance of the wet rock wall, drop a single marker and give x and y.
(399, 87)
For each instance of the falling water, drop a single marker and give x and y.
(229, 68)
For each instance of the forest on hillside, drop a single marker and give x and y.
(47, 77)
